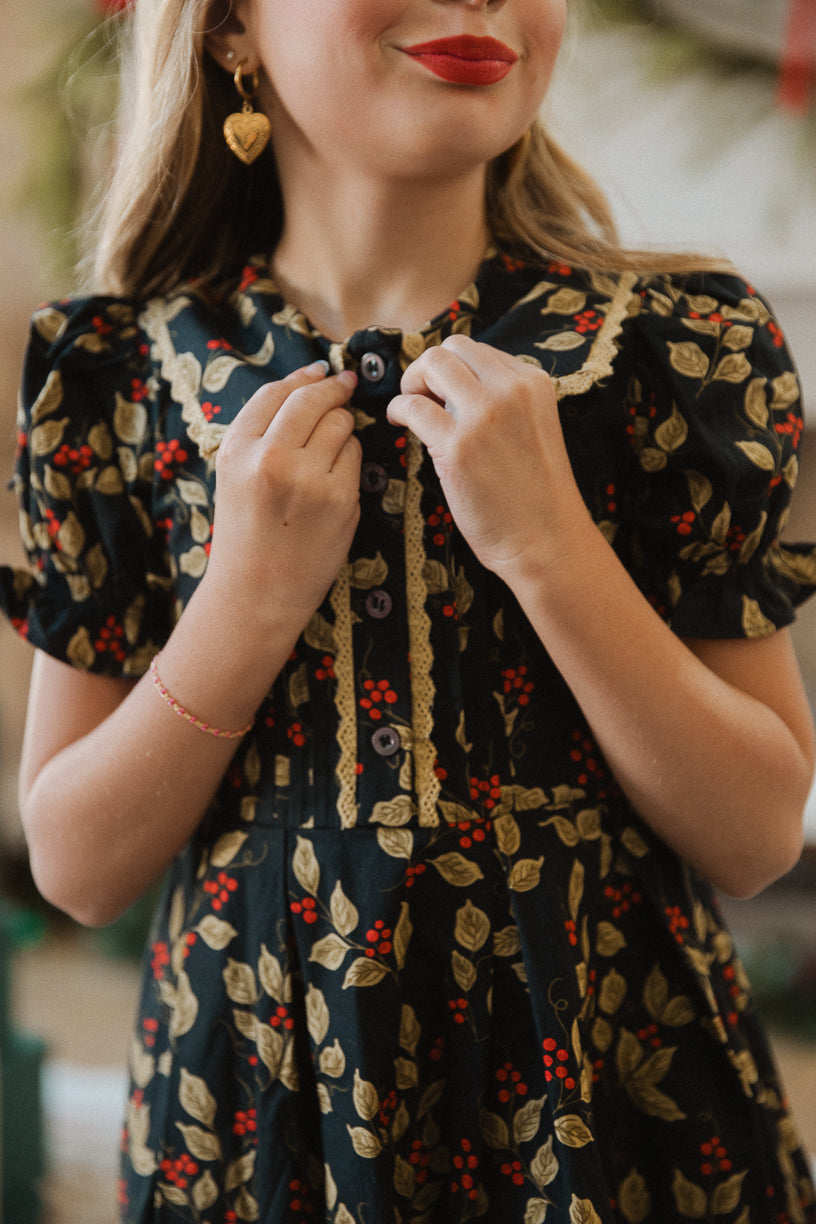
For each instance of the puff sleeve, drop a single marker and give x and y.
(98, 593)
(714, 418)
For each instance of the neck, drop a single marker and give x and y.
(358, 252)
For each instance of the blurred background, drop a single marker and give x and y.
(699, 118)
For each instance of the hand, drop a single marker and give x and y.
(490, 425)
(288, 482)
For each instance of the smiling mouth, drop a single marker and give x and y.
(465, 60)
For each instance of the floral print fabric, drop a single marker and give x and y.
(422, 962)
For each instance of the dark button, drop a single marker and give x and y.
(385, 741)
(374, 478)
(378, 604)
(372, 367)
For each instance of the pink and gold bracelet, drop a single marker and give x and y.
(198, 723)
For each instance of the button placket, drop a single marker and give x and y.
(372, 367)
(378, 604)
(373, 477)
(385, 741)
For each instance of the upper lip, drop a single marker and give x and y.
(466, 46)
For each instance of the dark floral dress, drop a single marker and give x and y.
(422, 962)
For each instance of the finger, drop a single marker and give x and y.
(490, 365)
(295, 421)
(329, 436)
(431, 423)
(440, 373)
(257, 413)
(347, 464)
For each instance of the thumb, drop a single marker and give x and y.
(426, 418)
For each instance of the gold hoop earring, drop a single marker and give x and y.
(247, 131)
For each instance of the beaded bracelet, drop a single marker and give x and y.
(186, 715)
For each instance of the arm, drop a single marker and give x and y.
(113, 783)
(712, 741)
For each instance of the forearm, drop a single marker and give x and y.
(108, 811)
(717, 773)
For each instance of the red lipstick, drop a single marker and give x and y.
(465, 59)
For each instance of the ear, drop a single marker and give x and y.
(227, 39)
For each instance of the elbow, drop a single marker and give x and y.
(755, 865)
(78, 898)
(778, 835)
(751, 875)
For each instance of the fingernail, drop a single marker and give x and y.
(323, 366)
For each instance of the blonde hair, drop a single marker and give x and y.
(179, 205)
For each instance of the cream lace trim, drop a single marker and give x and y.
(598, 364)
(346, 702)
(183, 372)
(419, 640)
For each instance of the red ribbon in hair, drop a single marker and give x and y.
(797, 76)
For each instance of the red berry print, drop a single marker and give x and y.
(300, 1200)
(623, 898)
(248, 277)
(516, 684)
(413, 873)
(151, 1028)
(73, 459)
(420, 1158)
(466, 1167)
(169, 456)
(307, 908)
(678, 922)
(210, 410)
(220, 889)
(326, 669)
(458, 1009)
(388, 1107)
(441, 521)
(472, 831)
(684, 522)
(379, 694)
(584, 753)
(53, 526)
(178, 1172)
(791, 427)
(486, 791)
(281, 1019)
(101, 326)
(295, 734)
(512, 1169)
(555, 1063)
(510, 1083)
(159, 960)
(379, 936)
(715, 1158)
(111, 640)
(245, 1123)
(651, 1034)
(588, 321)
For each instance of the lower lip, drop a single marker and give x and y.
(464, 71)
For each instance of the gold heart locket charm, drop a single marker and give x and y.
(247, 134)
(247, 131)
